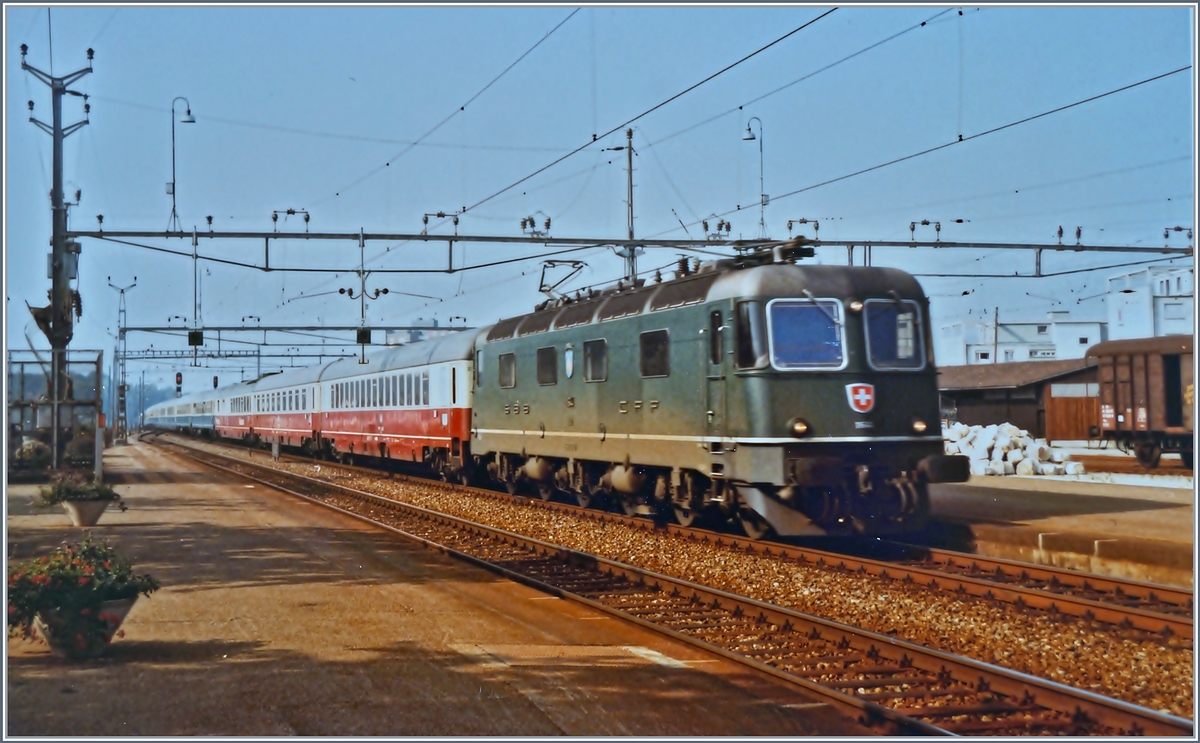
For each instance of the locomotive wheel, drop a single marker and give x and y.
(755, 526)
(1148, 454)
(629, 504)
(584, 500)
(545, 491)
(687, 517)
(511, 486)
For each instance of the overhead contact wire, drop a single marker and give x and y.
(651, 110)
(456, 112)
(962, 139)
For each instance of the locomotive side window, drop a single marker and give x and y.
(478, 369)
(507, 370)
(716, 343)
(425, 387)
(595, 361)
(656, 354)
(893, 334)
(547, 366)
(805, 333)
(408, 389)
(751, 340)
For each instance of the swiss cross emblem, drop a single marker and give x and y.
(861, 397)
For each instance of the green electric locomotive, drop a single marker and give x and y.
(796, 398)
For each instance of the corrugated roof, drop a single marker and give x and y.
(1006, 375)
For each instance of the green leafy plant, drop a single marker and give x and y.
(74, 486)
(34, 454)
(70, 585)
(82, 448)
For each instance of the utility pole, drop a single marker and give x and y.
(629, 252)
(120, 419)
(631, 265)
(996, 335)
(64, 254)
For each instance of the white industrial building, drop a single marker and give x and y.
(1150, 302)
(1059, 336)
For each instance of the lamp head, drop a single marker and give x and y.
(749, 135)
(187, 118)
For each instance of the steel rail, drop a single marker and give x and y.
(996, 588)
(1177, 601)
(1077, 710)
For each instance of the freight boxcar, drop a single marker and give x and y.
(1147, 396)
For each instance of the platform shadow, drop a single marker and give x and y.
(198, 556)
(393, 688)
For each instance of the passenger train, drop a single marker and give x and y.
(799, 399)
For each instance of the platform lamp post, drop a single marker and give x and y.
(187, 118)
(762, 196)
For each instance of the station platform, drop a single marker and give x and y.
(278, 617)
(1141, 532)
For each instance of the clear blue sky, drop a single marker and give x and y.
(294, 105)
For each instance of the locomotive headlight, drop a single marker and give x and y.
(919, 425)
(856, 306)
(799, 427)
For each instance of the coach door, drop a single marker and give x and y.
(718, 337)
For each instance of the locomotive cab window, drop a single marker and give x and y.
(894, 334)
(507, 368)
(751, 338)
(805, 333)
(655, 354)
(595, 361)
(547, 366)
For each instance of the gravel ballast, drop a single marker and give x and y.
(1145, 671)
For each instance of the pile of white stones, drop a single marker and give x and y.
(1005, 449)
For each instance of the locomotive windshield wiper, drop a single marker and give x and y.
(828, 313)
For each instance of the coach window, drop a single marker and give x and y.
(507, 369)
(425, 388)
(408, 387)
(716, 342)
(751, 339)
(595, 361)
(547, 365)
(656, 354)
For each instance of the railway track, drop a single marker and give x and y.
(1123, 604)
(890, 684)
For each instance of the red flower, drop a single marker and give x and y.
(84, 581)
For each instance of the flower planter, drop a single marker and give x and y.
(85, 512)
(77, 638)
